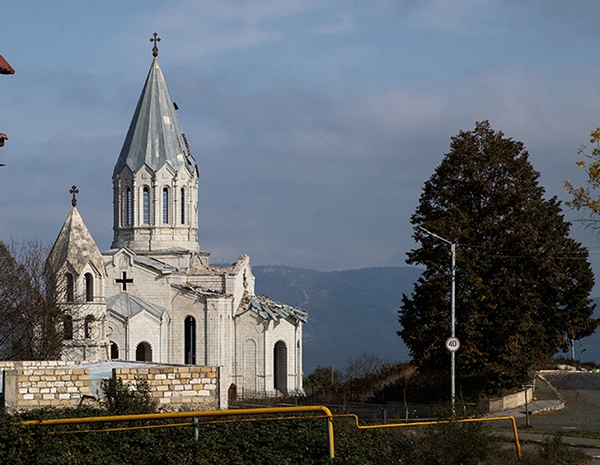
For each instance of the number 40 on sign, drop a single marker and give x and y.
(452, 344)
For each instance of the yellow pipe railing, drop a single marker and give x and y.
(260, 411)
(209, 413)
(441, 422)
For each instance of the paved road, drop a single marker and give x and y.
(571, 402)
(581, 395)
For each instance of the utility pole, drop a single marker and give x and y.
(452, 343)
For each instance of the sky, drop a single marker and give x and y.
(314, 123)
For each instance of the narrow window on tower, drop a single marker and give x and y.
(146, 205)
(88, 326)
(89, 287)
(68, 327)
(182, 205)
(128, 207)
(70, 290)
(165, 205)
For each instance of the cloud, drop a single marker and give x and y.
(344, 23)
(205, 27)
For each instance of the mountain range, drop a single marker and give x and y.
(350, 312)
(356, 311)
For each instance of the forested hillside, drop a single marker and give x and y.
(350, 312)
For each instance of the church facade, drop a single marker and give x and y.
(153, 296)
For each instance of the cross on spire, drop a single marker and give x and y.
(74, 191)
(156, 39)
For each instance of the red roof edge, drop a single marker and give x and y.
(5, 67)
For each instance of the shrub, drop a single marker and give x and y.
(126, 398)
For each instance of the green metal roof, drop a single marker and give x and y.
(155, 137)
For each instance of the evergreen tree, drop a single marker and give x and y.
(522, 285)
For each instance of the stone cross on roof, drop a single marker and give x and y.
(156, 39)
(74, 191)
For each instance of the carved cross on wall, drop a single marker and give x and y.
(156, 39)
(124, 281)
(74, 191)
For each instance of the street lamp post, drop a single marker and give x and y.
(452, 313)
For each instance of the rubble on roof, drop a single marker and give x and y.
(267, 308)
(203, 291)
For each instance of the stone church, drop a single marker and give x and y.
(153, 296)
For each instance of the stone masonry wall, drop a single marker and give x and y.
(179, 388)
(30, 385)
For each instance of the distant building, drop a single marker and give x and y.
(153, 296)
(5, 68)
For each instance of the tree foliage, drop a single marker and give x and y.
(322, 378)
(121, 398)
(30, 317)
(363, 365)
(583, 198)
(522, 285)
(296, 440)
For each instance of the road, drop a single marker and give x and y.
(581, 394)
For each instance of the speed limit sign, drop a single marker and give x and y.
(452, 344)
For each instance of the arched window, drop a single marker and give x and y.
(146, 200)
(70, 290)
(128, 207)
(88, 326)
(89, 287)
(68, 327)
(280, 367)
(165, 206)
(183, 205)
(143, 352)
(114, 350)
(190, 340)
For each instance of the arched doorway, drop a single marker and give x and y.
(114, 350)
(143, 352)
(189, 328)
(232, 392)
(280, 366)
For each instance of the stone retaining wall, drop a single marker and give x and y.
(36, 384)
(179, 388)
(508, 402)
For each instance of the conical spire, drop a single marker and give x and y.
(155, 137)
(75, 246)
(155, 182)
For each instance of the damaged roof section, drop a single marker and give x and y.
(269, 309)
(203, 291)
